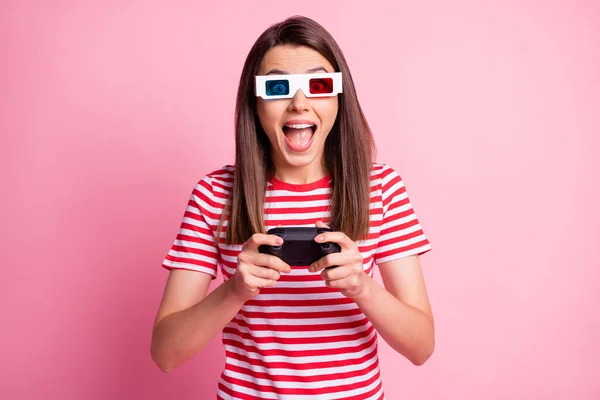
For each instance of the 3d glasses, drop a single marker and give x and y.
(271, 87)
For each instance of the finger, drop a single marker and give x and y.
(338, 259)
(264, 272)
(347, 283)
(337, 237)
(256, 282)
(321, 224)
(261, 238)
(342, 283)
(271, 262)
(333, 274)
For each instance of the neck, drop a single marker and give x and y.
(300, 175)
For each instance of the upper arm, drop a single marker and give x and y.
(183, 289)
(403, 278)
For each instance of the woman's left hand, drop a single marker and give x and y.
(349, 275)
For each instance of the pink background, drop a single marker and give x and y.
(111, 111)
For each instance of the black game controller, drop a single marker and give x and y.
(299, 247)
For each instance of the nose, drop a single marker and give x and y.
(299, 102)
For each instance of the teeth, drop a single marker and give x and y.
(299, 126)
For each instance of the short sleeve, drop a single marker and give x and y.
(401, 233)
(195, 247)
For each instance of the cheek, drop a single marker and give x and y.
(261, 110)
(328, 112)
(269, 113)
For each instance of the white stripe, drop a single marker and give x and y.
(222, 181)
(196, 222)
(300, 309)
(301, 284)
(298, 216)
(245, 390)
(406, 207)
(300, 296)
(268, 395)
(288, 193)
(193, 256)
(386, 179)
(301, 321)
(194, 267)
(397, 222)
(303, 204)
(218, 199)
(204, 191)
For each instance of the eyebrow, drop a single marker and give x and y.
(308, 71)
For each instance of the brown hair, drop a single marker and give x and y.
(349, 148)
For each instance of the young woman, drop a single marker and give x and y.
(304, 157)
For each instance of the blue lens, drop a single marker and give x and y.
(278, 88)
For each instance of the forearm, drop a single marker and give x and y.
(406, 329)
(181, 335)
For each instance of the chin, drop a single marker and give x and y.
(299, 160)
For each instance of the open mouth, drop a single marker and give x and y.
(299, 136)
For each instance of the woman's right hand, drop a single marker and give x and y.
(256, 270)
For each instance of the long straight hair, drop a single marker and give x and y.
(349, 148)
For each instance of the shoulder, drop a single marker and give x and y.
(223, 175)
(219, 180)
(384, 174)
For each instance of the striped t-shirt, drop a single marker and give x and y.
(299, 339)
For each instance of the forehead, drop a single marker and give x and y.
(293, 60)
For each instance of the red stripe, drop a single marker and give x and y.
(296, 210)
(300, 315)
(314, 327)
(299, 303)
(401, 249)
(297, 199)
(191, 261)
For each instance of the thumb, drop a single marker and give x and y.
(320, 224)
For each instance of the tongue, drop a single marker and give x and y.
(298, 137)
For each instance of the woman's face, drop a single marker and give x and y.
(293, 145)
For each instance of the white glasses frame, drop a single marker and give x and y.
(297, 82)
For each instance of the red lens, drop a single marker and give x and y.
(321, 85)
